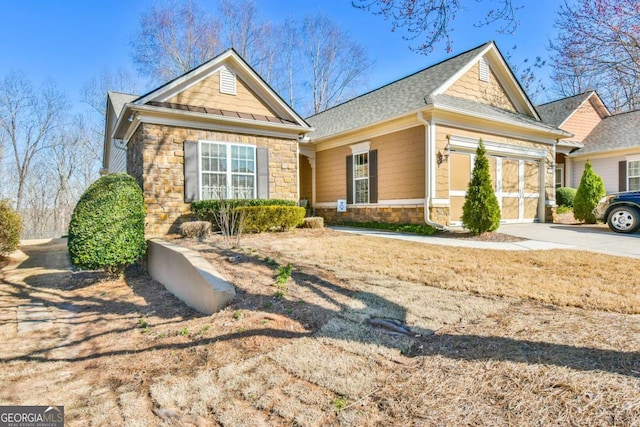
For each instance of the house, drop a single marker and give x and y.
(400, 153)
(404, 152)
(218, 131)
(610, 142)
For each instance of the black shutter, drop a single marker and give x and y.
(373, 176)
(190, 171)
(350, 179)
(622, 175)
(262, 173)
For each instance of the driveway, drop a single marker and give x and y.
(593, 238)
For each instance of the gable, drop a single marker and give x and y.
(485, 90)
(582, 121)
(209, 93)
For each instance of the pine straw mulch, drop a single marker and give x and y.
(126, 352)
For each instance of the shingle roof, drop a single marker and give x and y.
(613, 133)
(489, 111)
(118, 99)
(397, 98)
(556, 112)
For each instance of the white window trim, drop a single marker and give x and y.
(228, 172)
(355, 196)
(630, 159)
(361, 147)
(560, 166)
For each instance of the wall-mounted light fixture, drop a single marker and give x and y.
(443, 157)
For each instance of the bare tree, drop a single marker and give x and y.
(527, 74)
(337, 63)
(431, 21)
(174, 39)
(27, 119)
(598, 46)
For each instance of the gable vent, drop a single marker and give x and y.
(484, 70)
(227, 81)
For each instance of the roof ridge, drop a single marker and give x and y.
(403, 78)
(566, 97)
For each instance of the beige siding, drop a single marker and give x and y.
(400, 167)
(331, 174)
(606, 167)
(470, 87)
(442, 174)
(305, 178)
(400, 164)
(460, 171)
(582, 121)
(206, 93)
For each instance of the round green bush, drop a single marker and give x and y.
(10, 228)
(565, 196)
(107, 226)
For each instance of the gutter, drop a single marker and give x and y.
(427, 171)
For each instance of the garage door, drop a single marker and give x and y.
(516, 183)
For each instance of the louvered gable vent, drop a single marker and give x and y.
(484, 70)
(227, 81)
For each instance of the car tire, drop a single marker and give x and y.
(624, 219)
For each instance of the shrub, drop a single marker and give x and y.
(205, 210)
(423, 229)
(480, 212)
(590, 191)
(195, 229)
(10, 228)
(258, 219)
(313, 222)
(565, 196)
(107, 225)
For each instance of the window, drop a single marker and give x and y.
(361, 177)
(227, 171)
(559, 176)
(633, 175)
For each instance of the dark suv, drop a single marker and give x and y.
(621, 211)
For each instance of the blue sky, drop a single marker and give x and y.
(70, 42)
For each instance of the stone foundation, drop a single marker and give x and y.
(400, 215)
(550, 213)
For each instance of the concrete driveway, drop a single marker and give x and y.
(594, 238)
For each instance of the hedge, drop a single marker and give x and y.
(107, 225)
(205, 209)
(258, 219)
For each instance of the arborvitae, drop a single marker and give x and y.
(481, 212)
(590, 191)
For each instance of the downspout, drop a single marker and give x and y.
(427, 170)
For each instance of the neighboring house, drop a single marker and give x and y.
(579, 115)
(218, 131)
(610, 142)
(405, 152)
(613, 147)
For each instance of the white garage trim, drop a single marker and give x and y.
(464, 143)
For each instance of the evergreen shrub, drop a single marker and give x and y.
(480, 212)
(107, 225)
(590, 191)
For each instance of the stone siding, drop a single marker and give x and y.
(155, 159)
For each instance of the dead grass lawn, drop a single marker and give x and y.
(487, 347)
